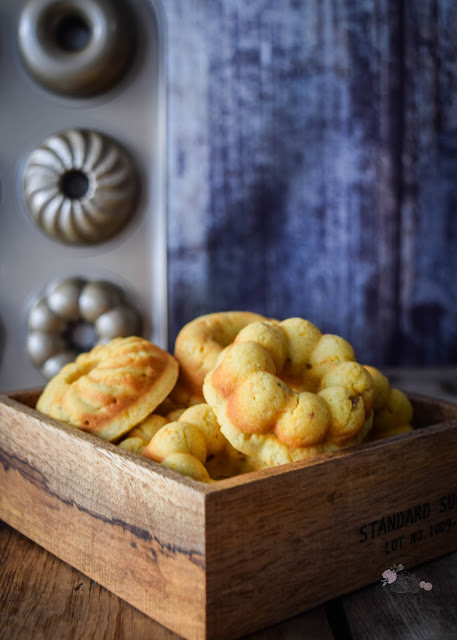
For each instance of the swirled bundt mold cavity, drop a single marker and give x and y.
(80, 187)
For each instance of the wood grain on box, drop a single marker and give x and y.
(115, 518)
(228, 558)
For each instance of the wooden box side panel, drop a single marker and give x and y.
(428, 411)
(130, 527)
(291, 541)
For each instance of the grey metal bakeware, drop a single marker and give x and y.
(77, 48)
(131, 112)
(74, 315)
(80, 186)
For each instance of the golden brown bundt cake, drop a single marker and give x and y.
(110, 389)
(197, 435)
(137, 438)
(393, 412)
(197, 347)
(283, 391)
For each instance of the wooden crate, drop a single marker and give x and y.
(225, 559)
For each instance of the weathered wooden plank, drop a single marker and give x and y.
(429, 223)
(312, 155)
(231, 557)
(339, 523)
(102, 512)
(281, 138)
(42, 597)
(404, 610)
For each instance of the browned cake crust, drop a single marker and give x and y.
(283, 391)
(112, 388)
(202, 450)
(393, 412)
(198, 346)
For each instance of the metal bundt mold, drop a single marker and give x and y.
(73, 316)
(122, 238)
(77, 48)
(80, 187)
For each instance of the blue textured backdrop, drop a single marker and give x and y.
(312, 168)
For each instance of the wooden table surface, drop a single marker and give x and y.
(41, 597)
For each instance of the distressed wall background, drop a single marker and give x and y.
(312, 168)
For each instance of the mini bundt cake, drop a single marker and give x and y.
(393, 412)
(197, 347)
(196, 434)
(112, 388)
(283, 391)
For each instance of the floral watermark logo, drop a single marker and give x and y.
(390, 575)
(405, 582)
